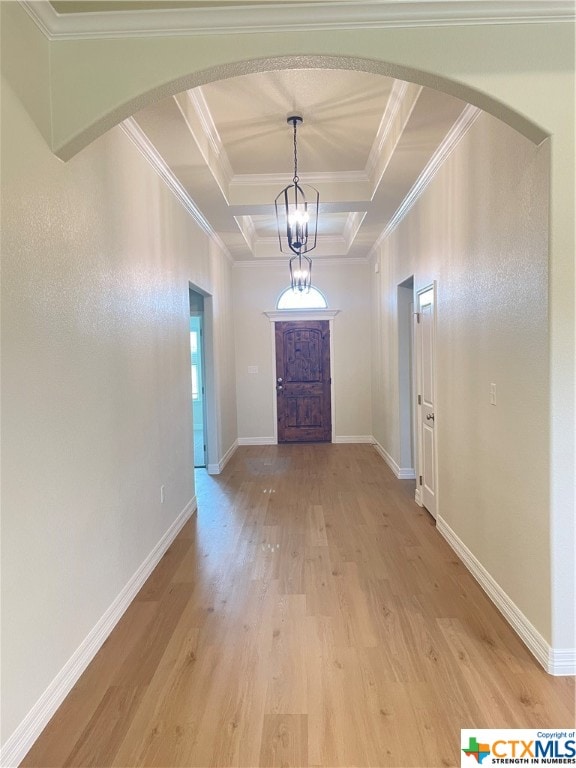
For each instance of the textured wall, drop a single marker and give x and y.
(480, 230)
(523, 73)
(97, 255)
(256, 291)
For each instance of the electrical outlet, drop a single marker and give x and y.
(492, 394)
(161, 494)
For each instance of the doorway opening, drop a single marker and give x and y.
(406, 373)
(197, 377)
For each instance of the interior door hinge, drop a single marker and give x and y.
(420, 479)
(419, 399)
(417, 316)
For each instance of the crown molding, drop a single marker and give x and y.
(219, 156)
(328, 246)
(460, 128)
(395, 99)
(353, 223)
(318, 261)
(272, 17)
(198, 101)
(403, 99)
(282, 179)
(331, 241)
(248, 230)
(149, 151)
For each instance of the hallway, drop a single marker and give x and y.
(308, 615)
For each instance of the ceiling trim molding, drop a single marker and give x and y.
(196, 96)
(271, 17)
(248, 230)
(353, 224)
(202, 111)
(147, 149)
(283, 179)
(395, 99)
(318, 261)
(400, 114)
(467, 118)
(331, 241)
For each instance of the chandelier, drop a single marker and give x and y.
(297, 221)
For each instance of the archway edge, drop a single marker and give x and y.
(461, 90)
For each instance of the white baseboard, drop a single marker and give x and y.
(402, 473)
(215, 469)
(556, 661)
(353, 439)
(418, 496)
(20, 742)
(336, 439)
(257, 441)
(562, 661)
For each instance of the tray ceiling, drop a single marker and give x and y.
(365, 141)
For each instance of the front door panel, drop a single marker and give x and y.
(303, 381)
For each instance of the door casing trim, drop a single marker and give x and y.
(301, 314)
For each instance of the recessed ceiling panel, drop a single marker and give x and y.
(333, 224)
(342, 111)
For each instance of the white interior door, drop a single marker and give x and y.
(425, 332)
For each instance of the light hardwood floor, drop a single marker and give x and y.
(309, 615)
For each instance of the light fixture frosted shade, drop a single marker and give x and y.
(297, 218)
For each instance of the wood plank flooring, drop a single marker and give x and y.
(308, 615)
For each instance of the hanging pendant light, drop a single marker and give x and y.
(297, 221)
(300, 273)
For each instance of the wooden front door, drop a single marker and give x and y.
(303, 381)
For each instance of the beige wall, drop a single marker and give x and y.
(256, 290)
(480, 231)
(522, 73)
(96, 411)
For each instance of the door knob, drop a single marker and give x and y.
(279, 388)
(279, 380)
(430, 416)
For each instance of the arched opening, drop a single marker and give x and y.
(79, 136)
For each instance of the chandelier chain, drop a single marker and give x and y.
(295, 179)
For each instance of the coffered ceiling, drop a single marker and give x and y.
(369, 143)
(365, 141)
